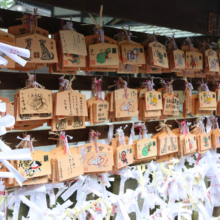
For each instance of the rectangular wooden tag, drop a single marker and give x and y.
(103, 55)
(35, 101)
(42, 49)
(171, 105)
(213, 63)
(100, 111)
(97, 162)
(68, 123)
(153, 100)
(70, 167)
(38, 166)
(206, 143)
(160, 57)
(70, 103)
(73, 42)
(133, 55)
(207, 99)
(190, 143)
(146, 147)
(124, 156)
(179, 59)
(125, 107)
(194, 60)
(167, 144)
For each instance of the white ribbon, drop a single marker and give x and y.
(27, 138)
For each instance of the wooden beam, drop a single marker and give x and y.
(13, 80)
(187, 15)
(82, 134)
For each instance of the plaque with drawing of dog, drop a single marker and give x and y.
(38, 166)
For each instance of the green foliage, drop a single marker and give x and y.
(6, 3)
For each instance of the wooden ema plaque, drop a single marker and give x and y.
(124, 156)
(194, 60)
(69, 167)
(100, 111)
(95, 39)
(70, 103)
(97, 162)
(171, 105)
(146, 148)
(35, 101)
(153, 100)
(38, 166)
(207, 100)
(73, 42)
(42, 49)
(189, 143)
(205, 142)
(125, 107)
(159, 57)
(167, 144)
(213, 63)
(132, 54)
(215, 135)
(103, 55)
(67, 123)
(179, 59)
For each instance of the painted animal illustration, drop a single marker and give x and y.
(159, 56)
(173, 146)
(46, 55)
(133, 54)
(164, 149)
(61, 125)
(206, 144)
(33, 168)
(99, 160)
(179, 59)
(104, 55)
(128, 106)
(78, 122)
(28, 47)
(75, 59)
(146, 149)
(37, 103)
(153, 99)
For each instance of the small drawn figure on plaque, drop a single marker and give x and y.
(28, 47)
(179, 59)
(128, 106)
(153, 99)
(164, 149)
(193, 61)
(206, 144)
(159, 56)
(100, 160)
(37, 103)
(61, 125)
(75, 59)
(104, 55)
(133, 54)
(46, 55)
(33, 168)
(146, 149)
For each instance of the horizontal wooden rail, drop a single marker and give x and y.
(13, 80)
(82, 134)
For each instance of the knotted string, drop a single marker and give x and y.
(34, 20)
(96, 89)
(68, 26)
(184, 127)
(164, 127)
(28, 139)
(128, 34)
(214, 121)
(200, 125)
(66, 144)
(120, 134)
(190, 43)
(204, 88)
(150, 83)
(95, 138)
(142, 130)
(172, 40)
